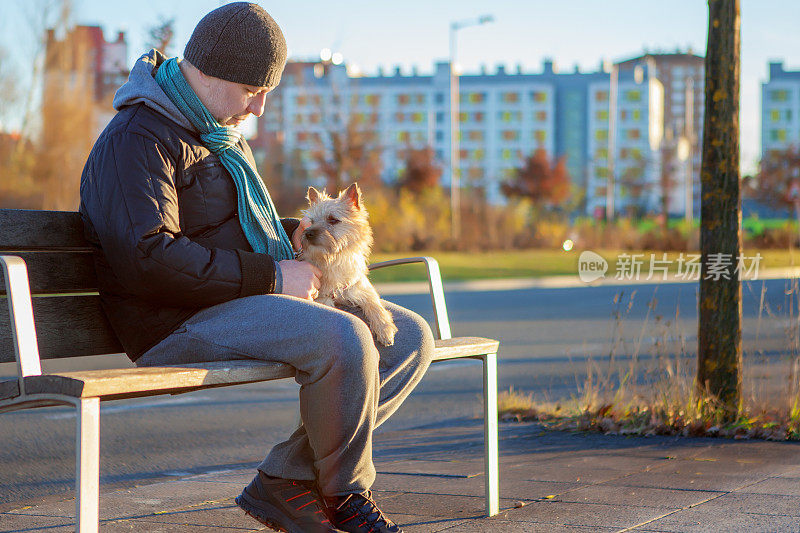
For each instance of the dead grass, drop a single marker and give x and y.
(654, 392)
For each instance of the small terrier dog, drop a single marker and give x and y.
(338, 242)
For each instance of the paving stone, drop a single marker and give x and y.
(583, 514)
(34, 523)
(708, 518)
(432, 480)
(224, 514)
(669, 479)
(636, 496)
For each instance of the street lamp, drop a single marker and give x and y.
(455, 201)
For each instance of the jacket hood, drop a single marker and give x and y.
(142, 87)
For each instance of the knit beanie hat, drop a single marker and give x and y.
(238, 42)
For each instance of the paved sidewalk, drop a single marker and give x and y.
(431, 480)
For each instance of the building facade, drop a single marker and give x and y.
(81, 73)
(504, 117)
(780, 110)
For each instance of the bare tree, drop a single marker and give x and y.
(719, 357)
(778, 181)
(351, 154)
(160, 35)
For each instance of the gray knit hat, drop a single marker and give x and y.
(238, 42)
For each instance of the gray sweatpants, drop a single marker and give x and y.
(348, 385)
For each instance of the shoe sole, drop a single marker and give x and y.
(258, 514)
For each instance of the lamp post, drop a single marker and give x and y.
(455, 200)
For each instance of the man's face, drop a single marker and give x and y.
(231, 103)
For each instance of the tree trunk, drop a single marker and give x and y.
(719, 357)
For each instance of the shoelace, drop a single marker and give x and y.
(306, 491)
(372, 517)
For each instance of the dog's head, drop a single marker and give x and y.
(338, 225)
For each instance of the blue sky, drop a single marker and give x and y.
(415, 33)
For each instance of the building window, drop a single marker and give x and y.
(439, 117)
(418, 117)
(601, 153)
(601, 114)
(510, 116)
(439, 98)
(479, 116)
(601, 172)
(636, 115)
(420, 98)
(777, 135)
(779, 95)
(475, 173)
(540, 135)
(623, 115)
(509, 135)
(373, 99)
(509, 98)
(538, 96)
(601, 135)
(402, 136)
(541, 116)
(601, 96)
(399, 117)
(439, 135)
(475, 135)
(633, 95)
(463, 116)
(506, 154)
(479, 154)
(634, 133)
(300, 100)
(775, 115)
(403, 99)
(472, 98)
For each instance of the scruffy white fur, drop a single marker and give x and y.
(338, 242)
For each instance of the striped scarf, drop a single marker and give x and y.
(257, 214)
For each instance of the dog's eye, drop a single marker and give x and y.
(333, 221)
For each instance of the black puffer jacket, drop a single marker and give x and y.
(162, 212)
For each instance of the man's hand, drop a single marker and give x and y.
(305, 222)
(300, 279)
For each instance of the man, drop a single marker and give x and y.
(194, 265)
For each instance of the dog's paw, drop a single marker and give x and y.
(385, 333)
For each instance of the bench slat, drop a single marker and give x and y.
(57, 272)
(24, 229)
(66, 326)
(149, 381)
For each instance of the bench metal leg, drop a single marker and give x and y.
(490, 434)
(87, 468)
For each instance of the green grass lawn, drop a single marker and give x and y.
(456, 266)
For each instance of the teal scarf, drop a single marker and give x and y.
(257, 213)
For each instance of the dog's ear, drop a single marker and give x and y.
(353, 195)
(313, 196)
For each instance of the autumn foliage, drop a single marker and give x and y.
(544, 183)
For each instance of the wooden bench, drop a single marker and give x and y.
(54, 312)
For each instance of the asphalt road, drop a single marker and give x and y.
(550, 338)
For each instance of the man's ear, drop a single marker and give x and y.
(353, 195)
(313, 196)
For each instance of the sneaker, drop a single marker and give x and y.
(284, 505)
(358, 513)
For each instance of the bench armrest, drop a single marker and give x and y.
(20, 310)
(435, 286)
